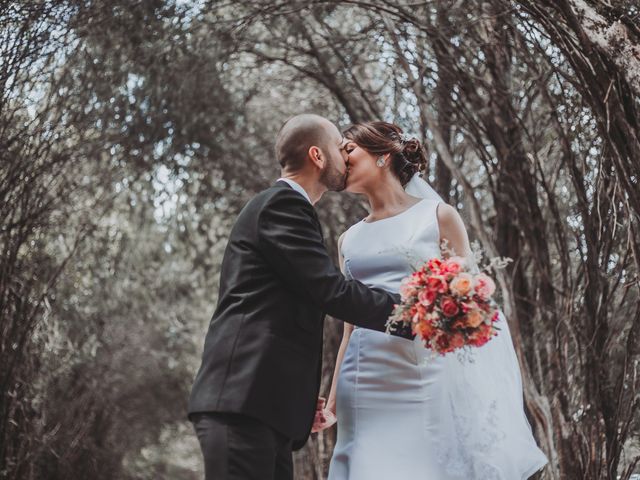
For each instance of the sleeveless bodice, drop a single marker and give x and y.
(382, 253)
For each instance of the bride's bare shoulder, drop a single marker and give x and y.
(446, 211)
(448, 217)
(452, 229)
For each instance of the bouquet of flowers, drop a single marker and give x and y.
(447, 305)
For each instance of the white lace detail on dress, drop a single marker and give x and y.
(475, 438)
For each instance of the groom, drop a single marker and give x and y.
(254, 397)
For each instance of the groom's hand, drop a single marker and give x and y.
(402, 330)
(396, 329)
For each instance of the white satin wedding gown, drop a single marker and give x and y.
(406, 415)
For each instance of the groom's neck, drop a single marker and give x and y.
(314, 188)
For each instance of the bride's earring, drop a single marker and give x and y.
(380, 162)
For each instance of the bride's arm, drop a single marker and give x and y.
(453, 230)
(346, 334)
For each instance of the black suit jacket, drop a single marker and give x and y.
(263, 350)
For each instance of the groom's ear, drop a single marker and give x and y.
(316, 157)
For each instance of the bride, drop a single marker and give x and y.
(401, 412)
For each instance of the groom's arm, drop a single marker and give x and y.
(290, 239)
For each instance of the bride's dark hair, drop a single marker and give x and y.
(379, 138)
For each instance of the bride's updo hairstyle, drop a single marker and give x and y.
(379, 138)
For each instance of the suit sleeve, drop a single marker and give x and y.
(291, 242)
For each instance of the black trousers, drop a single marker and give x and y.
(238, 447)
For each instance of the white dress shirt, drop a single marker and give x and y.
(296, 186)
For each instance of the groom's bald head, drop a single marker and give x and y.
(298, 134)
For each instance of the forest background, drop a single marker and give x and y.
(133, 132)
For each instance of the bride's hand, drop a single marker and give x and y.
(324, 418)
(329, 420)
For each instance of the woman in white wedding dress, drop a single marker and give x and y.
(402, 413)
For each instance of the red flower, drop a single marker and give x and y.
(458, 324)
(457, 340)
(442, 341)
(434, 265)
(449, 306)
(453, 265)
(442, 308)
(437, 284)
(424, 329)
(427, 297)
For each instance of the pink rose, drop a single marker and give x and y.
(484, 286)
(427, 297)
(407, 289)
(453, 265)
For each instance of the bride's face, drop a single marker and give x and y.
(363, 173)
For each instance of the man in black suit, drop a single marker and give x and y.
(254, 397)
